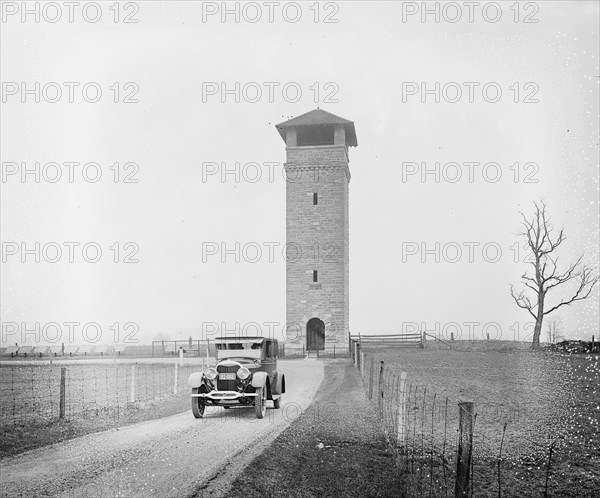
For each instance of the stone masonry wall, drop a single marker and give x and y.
(317, 239)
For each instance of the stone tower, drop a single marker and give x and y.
(317, 266)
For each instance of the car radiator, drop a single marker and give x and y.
(227, 385)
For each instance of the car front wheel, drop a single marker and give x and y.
(260, 402)
(198, 404)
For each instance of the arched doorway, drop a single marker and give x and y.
(315, 334)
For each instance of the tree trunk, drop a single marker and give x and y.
(537, 330)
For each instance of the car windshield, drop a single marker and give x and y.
(240, 349)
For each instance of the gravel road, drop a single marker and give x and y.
(169, 457)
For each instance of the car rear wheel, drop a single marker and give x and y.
(198, 404)
(260, 402)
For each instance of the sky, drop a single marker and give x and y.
(163, 123)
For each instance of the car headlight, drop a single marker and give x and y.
(211, 374)
(243, 373)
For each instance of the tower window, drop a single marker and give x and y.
(315, 279)
(315, 135)
(315, 199)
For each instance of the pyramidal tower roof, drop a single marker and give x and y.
(319, 117)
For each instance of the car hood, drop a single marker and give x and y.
(246, 362)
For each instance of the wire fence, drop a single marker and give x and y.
(43, 393)
(447, 448)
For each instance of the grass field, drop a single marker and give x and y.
(97, 396)
(30, 394)
(544, 399)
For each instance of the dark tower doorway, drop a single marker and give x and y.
(315, 334)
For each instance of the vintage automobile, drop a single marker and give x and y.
(246, 375)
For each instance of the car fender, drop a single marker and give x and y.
(259, 379)
(195, 379)
(279, 383)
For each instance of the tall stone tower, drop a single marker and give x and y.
(318, 177)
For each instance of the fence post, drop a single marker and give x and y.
(181, 356)
(402, 408)
(176, 381)
(132, 394)
(371, 379)
(152, 349)
(465, 450)
(381, 386)
(362, 364)
(63, 385)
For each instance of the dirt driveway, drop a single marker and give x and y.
(169, 457)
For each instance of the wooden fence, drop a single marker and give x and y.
(440, 445)
(418, 425)
(45, 393)
(357, 343)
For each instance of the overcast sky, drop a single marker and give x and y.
(358, 68)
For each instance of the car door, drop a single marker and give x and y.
(270, 361)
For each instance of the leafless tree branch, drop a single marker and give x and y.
(543, 242)
(587, 283)
(522, 301)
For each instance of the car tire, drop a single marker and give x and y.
(260, 402)
(198, 404)
(277, 402)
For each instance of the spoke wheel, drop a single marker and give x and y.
(260, 402)
(198, 404)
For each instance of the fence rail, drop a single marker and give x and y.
(356, 342)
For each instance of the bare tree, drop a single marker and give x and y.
(543, 242)
(553, 332)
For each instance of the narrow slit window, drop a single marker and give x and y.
(315, 199)
(315, 279)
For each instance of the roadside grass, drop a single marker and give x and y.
(97, 397)
(335, 448)
(30, 435)
(544, 399)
